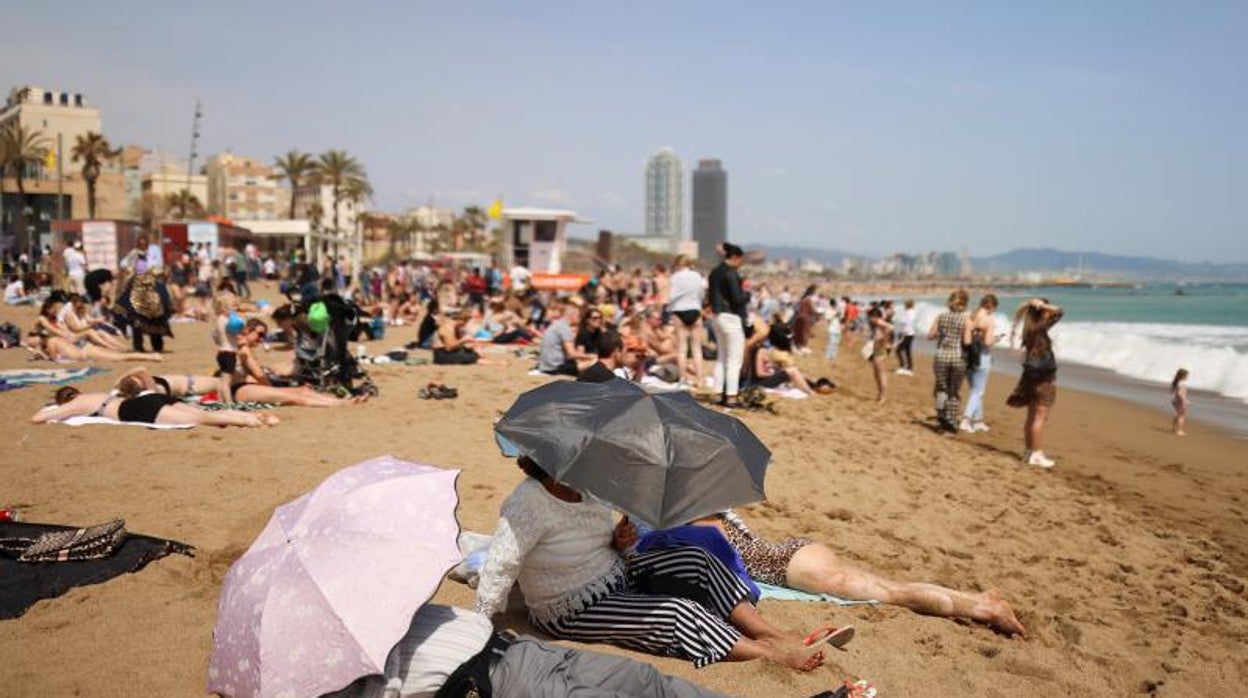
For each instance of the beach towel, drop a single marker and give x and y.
(22, 584)
(46, 376)
(83, 421)
(790, 393)
(770, 591)
(211, 403)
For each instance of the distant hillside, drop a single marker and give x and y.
(1043, 259)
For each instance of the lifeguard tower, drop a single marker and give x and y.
(536, 238)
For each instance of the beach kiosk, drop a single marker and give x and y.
(104, 242)
(536, 238)
(176, 238)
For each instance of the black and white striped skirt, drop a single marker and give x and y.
(675, 603)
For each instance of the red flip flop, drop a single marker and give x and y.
(830, 635)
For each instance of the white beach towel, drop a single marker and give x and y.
(791, 393)
(82, 421)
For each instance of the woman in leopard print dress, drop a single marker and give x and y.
(801, 563)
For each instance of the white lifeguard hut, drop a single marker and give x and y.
(536, 238)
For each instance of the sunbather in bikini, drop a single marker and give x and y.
(801, 563)
(54, 348)
(75, 333)
(250, 382)
(132, 404)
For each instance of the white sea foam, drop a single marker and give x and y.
(1216, 356)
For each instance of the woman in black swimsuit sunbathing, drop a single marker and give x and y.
(133, 404)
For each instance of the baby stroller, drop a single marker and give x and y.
(322, 350)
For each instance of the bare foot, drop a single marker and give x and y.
(268, 419)
(995, 611)
(1180, 433)
(359, 399)
(805, 659)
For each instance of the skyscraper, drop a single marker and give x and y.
(710, 207)
(665, 200)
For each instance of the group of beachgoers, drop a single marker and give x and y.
(89, 318)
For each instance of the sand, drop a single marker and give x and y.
(1127, 563)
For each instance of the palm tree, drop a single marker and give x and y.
(92, 150)
(336, 168)
(294, 167)
(21, 148)
(183, 204)
(475, 219)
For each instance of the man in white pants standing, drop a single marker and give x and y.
(76, 267)
(728, 302)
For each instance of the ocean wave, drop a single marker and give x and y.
(1216, 356)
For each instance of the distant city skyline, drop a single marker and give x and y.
(665, 195)
(1114, 126)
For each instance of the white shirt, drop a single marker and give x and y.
(560, 553)
(439, 640)
(907, 322)
(519, 277)
(686, 289)
(14, 291)
(75, 261)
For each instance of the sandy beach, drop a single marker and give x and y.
(1127, 563)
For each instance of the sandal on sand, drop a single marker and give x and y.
(830, 635)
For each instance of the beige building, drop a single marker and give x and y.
(243, 188)
(315, 202)
(174, 180)
(67, 115)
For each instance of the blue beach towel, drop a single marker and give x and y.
(770, 591)
(18, 378)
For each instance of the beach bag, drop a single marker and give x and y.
(972, 353)
(10, 335)
(868, 348)
(91, 543)
(145, 298)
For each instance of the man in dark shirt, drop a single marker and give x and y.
(610, 358)
(728, 302)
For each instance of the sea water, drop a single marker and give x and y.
(1146, 332)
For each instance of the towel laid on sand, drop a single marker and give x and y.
(770, 591)
(791, 393)
(82, 421)
(24, 583)
(47, 376)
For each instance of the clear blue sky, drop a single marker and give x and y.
(1111, 126)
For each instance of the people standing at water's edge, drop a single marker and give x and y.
(980, 335)
(1037, 386)
(728, 302)
(881, 332)
(905, 356)
(950, 366)
(1178, 398)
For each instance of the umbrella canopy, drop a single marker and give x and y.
(664, 458)
(331, 584)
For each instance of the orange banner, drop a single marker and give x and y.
(559, 282)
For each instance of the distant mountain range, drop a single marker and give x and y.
(1048, 260)
(1044, 259)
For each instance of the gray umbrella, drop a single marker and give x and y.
(664, 459)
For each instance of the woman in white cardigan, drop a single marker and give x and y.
(562, 549)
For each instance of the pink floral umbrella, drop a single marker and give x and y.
(332, 582)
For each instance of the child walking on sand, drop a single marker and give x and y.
(1178, 398)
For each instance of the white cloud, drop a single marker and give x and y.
(776, 171)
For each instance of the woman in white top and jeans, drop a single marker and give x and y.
(686, 289)
(562, 549)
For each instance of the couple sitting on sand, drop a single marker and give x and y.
(568, 555)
